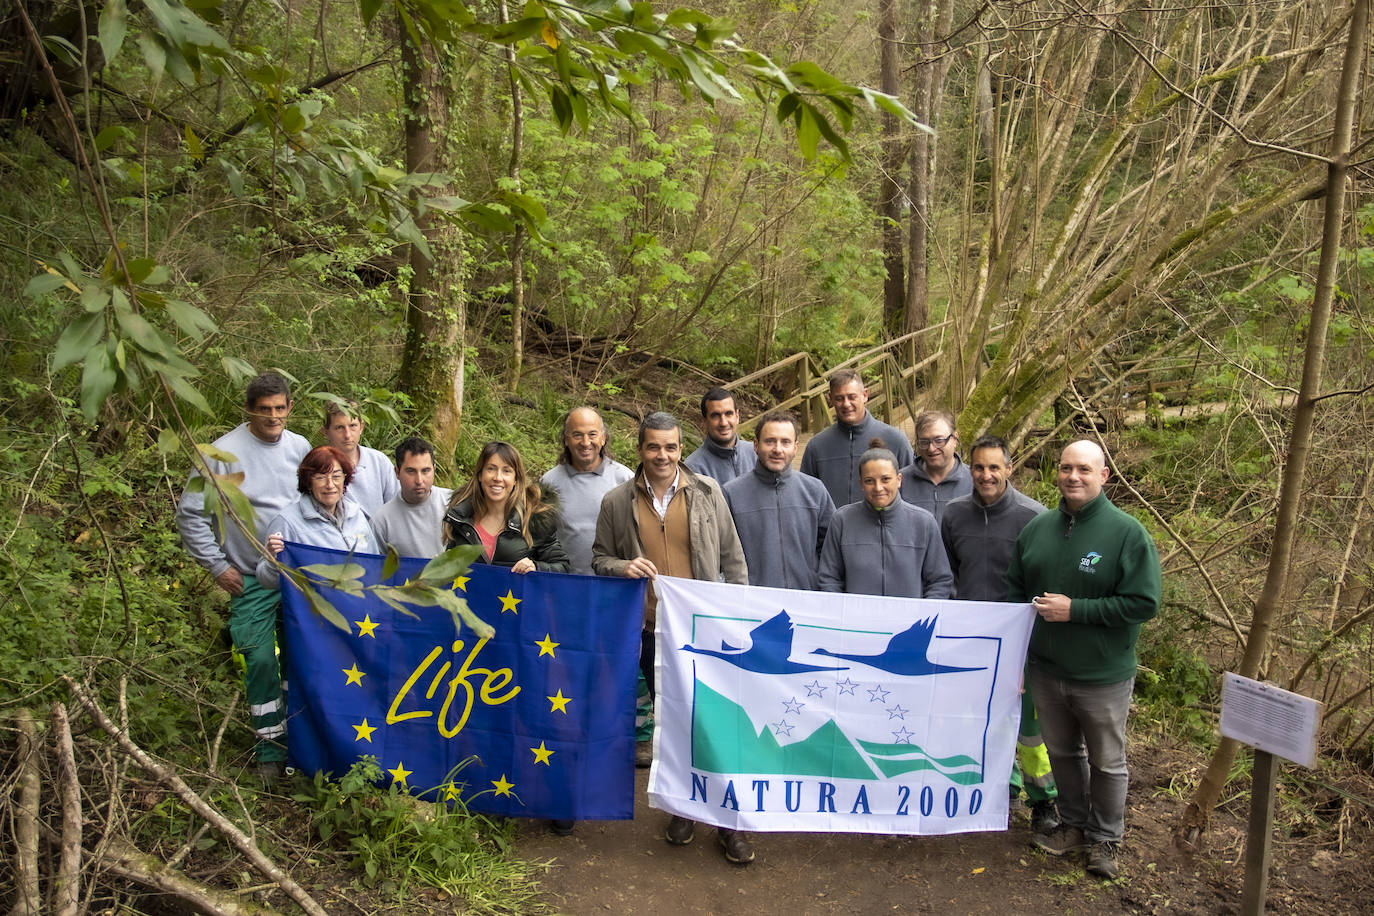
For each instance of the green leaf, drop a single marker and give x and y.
(808, 133)
(169, 443)
(114, 23)
(43, 284)
(77, 340)
(391, 563)
(107, 137)
(192, 321)
(141, 332)
(334, 574)
(154, 55)
(210, 453)
(562, 108)
(450, 564)
(512, 32)
(369, 10)
(140, 268)
(97, 380)
(320, 606)
(194, 147)
(187, 392)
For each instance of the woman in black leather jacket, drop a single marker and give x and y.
(503, 510)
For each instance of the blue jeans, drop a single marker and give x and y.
(1084, 726)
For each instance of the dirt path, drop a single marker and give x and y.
(626, 867)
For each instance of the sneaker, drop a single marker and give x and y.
(561, 828)
(1060, 841)
(738, 850)
(1044, 817)
(1102, 859)
(644, 754)
(271, 772)
(680, 831)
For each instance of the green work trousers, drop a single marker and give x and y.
(253, 622)
(1031, 768)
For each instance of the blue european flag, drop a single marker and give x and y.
(538, 721)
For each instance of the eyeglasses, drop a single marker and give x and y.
(937, 441)
(336, 477)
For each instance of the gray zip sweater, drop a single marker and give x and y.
(833, 455)
(980, 541)
(720, 463)
(919, 490)
(782, 520)
(894, 551)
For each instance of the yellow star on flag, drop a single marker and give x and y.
(509, 601)
(400, 773)
(354, 675)
(364, 731)
(451, 792)
(546, 646)
(541, 754)
(559, 703)
(502, 787)
(366, 626)
(461, 583)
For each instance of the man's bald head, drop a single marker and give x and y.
(1082, 472)
(584, 439)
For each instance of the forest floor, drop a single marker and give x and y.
(627, 867)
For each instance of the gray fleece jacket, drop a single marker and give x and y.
(980, 541)
(919, 490)
(782, 520)
(833, 455)
(894, 551)
(720, 463)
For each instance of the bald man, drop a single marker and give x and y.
(1092, 573)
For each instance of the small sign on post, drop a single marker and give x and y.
(1276, 723)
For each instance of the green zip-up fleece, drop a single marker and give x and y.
(1108, 566)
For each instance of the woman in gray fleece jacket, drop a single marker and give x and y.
(884, 545)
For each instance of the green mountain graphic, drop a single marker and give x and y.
(724, 741)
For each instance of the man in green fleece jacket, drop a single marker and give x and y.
(1092, 573)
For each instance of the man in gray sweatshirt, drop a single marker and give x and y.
(413, 520)
(781, 515)
(724, 455)
(584, 474)
(833, 453)
(938, 475)
(374, 481)
(266, 454)
(979, 532)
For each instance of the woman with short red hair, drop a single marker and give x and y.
(322, 516)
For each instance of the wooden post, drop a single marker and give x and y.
(1259, 836)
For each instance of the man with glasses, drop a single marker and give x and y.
(937, 475)
(264, 455)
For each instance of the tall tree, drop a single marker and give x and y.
(1197, 814)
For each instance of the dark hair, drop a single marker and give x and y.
(566, 456)
(717, 394)
(841, 377)
(877, 451)
(264, 386)
(413, 445)
(777, 415)
(927, 417)
(321, 460)
(991, 442)
(526, 498)
(347, 407)
(658, 420)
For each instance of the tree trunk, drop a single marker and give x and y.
(890, 187)
(517, 248)
(928, 90)
(436, 316)
(1197, 814)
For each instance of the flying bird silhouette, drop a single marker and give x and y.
(907, 653)
(770, 644)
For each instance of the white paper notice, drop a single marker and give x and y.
(1270, 718)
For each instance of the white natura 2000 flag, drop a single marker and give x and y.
(812, 711)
